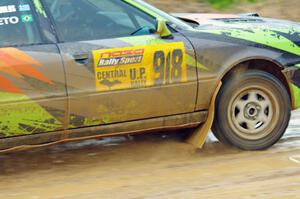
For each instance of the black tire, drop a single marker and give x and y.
(253, 110)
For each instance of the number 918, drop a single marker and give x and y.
(168, 67)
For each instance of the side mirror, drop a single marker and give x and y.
(163, 30)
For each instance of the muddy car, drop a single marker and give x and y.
(85, 69)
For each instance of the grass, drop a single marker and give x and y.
(223, 4)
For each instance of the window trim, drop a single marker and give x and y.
(41, 28)
(136, 8)
(51, 21)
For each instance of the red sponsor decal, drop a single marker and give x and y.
(122, 53)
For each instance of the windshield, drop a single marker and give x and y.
(176, 23)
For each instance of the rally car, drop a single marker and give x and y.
(85, 69)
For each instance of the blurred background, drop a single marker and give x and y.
(284, 9)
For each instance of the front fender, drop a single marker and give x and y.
(295, 85)
(220, 57)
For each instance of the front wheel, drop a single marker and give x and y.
(253, 111)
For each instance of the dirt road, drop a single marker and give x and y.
(153, 167)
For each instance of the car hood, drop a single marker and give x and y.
(280, 34)
(232, 20)
(202, 18)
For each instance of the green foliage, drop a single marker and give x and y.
(223, 4)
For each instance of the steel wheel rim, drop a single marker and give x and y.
(253, 113)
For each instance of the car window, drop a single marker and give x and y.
(17, 23)
(79, 20)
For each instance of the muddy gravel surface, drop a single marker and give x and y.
(155, 165)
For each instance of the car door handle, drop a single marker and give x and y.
(81, 59)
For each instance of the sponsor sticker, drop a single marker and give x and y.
(121, 57)
(9, 20)
(24, 8)
(139, 66)
(26, 18)
(8, 9)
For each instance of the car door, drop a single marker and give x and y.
(117, 69)
(32, 83)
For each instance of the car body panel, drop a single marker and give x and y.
(33, 96)
(121, 97)
(33, 91)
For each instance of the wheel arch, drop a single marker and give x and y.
(260, 63)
